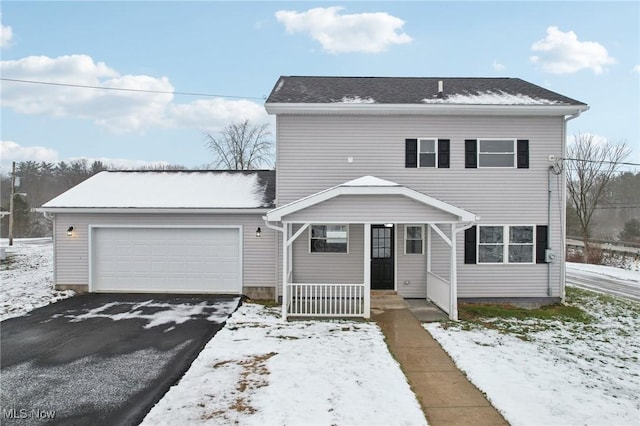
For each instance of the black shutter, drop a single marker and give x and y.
(411, 153)
(443, 153)
(541, 242)
(471, 154)
(470, 245)
(523, 154)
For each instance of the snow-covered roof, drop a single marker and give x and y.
(379, 91)
(369, 181)
(171, 190)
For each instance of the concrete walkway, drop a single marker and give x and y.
(446, 396)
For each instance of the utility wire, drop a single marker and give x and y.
(49, 83)
(598, 161)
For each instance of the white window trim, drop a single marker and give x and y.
(515, 153)
(406, 239)
(322, 253)
(435, 147)
(505, 245)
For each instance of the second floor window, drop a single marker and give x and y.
(496, 153)
(428, 154)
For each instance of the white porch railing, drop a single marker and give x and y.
(439, 291)
(326, 300)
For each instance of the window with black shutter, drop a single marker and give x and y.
(427, 153)
(443, 153)
(471, 154)
(523, 154)
(470, 245)
(411, 153)
(541, 242)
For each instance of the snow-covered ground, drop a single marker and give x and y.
(26, 277)
(539, 372)
(259, 370)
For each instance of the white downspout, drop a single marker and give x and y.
(563, 214)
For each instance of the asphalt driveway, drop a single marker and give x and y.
(102, 359)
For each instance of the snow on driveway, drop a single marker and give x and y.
(26, 277)
(556, 373)
(259, 370)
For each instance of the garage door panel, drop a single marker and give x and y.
(180, 260)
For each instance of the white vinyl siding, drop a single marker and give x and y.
(72, 253)
(322, 143)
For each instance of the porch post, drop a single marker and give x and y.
(453, 302)
(285, 268)
(426, 278)
(367, 270)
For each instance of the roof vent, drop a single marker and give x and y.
(440, 89)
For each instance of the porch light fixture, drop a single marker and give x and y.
(70, 231)
(258, 232)
(388, 225)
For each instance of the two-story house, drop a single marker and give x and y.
(441, 188)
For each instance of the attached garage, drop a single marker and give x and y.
(164, 259)
(166, 232)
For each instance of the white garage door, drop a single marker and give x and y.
(175, 260)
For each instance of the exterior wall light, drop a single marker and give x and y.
(258, 232)
(70, 231)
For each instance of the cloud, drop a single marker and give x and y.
(6, 35)
(11, 151)
(116, 110)
(212, 114)
(360, 32)
(636, 69)
(563, 53)
(498, 66)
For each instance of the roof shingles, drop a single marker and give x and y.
(412, 90)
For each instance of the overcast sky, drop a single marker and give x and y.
(234, 52)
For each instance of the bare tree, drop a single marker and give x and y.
(590, 167)
(241, 146)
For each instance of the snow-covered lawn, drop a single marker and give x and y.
(259, 370)
(26, 277)
(543, 372)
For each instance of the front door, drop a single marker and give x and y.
(382, 257)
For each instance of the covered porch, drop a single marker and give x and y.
(352, 247)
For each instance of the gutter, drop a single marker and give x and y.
(422, 109)
(139, 210)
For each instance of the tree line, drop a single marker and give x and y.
(40, 182)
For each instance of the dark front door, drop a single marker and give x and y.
(381, 257)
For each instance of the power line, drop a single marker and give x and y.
(602, 162)
(82, 86)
